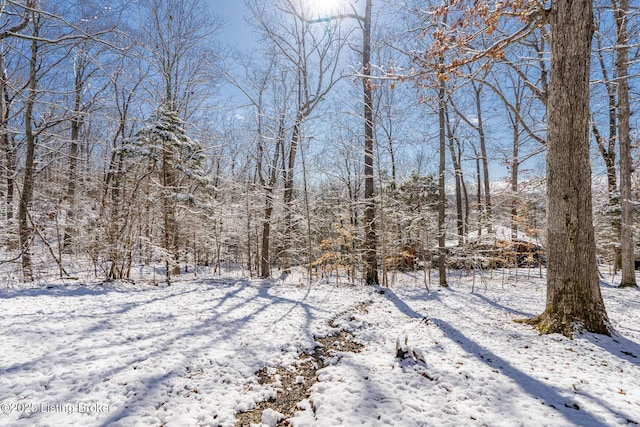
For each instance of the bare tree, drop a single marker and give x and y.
(621, 13)
(119, 200)
(25, 231)
(370, 255)
(84, 69)
(442, 197)
(313, 53)
(606, 142)
(7, 136)
(461, 189)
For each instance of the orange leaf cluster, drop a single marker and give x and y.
(456, 28)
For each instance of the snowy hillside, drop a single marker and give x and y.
(189, 354)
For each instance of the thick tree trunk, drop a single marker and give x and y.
(574, 301)
(624, 132)
(369, 256)
(117, 218)
(117, 223)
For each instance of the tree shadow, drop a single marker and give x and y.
(532, 386)
(617, 345)
(403, 306)
(200, 332)
(502, 307)
(61, 291)
(138, 403)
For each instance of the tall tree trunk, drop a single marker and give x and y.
(465, 195)
(265, 261)
(574, 301)
(76, 123)
(25, 231)
(117, 222)
(608, 150)
(4, 131)
(609, 156)
(621, 11)
(369, 257)
(11, 169)
(478, 193)
(485, 159)
(458, 177)
(171, 236)
(288, 194)
(249, 246)
(118, 215)
(6, 142)
(392, 157)
(515, 167)
(442, 197)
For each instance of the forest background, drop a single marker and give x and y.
(136, 145)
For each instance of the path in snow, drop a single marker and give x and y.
(293, 384)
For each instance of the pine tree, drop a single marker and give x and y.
(177, 161)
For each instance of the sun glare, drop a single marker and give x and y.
(322, 8)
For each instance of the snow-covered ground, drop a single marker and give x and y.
(186, 355)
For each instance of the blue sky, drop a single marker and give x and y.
(236, 33)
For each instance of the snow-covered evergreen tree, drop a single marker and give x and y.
(176, 162)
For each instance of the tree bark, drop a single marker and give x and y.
(369, 257)
(25, 231)
(574, 301)
(442, 201)
(515, 167)
(288, 194)
(628, 279)
(459, 177)
(76, 123)
(478, 192)
(6, 142)
(485, 159)
(265, 261)
(171, 236)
